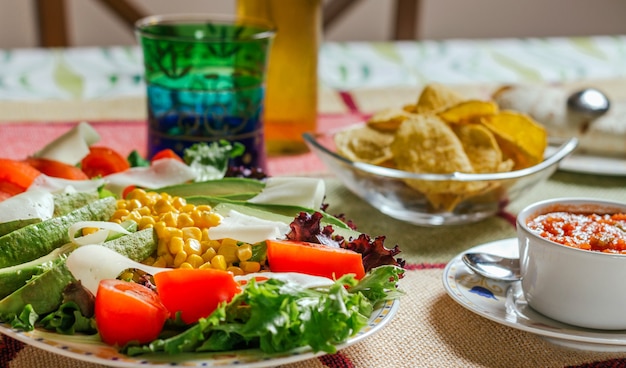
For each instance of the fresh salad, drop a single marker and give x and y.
(181, 254)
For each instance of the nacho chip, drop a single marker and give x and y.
(481, 147)
(468, 111)
(388, 120)
(435, 97)
(364, 144)
(426, 144)
(521, 138)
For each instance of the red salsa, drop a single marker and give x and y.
(601, 233)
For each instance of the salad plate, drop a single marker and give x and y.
(504, 303)
(590, 164)
(91, 349)
(585, 163)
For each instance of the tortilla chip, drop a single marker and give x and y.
(364, 144)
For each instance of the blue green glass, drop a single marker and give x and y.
(205, 82)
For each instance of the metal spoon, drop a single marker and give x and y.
(589, 102)
(493, 267)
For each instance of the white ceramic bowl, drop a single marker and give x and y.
(580, 287)
(386, 189)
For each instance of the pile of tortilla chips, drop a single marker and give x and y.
(444, 133)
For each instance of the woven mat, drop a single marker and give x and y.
(429, 330)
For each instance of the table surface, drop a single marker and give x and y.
(45, 92)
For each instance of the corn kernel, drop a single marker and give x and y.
(187, 208)
(89, 230)
(195, 260)
(192, 246)
(184, 220)
(133, 216)
(170, 219)
(209, 254)
(249, 267)
(186, 265)
(176, 245)
(219, 262)
(204, 208)
(133, 204)
(235, 270)
(160, 262)
(229, 251)
(244, 252)
(161, 229)
(179, 258)
(178, 202)
(162, 248)
(205, 266)
(192, 233)
(163, 206)
(120, 213)
(169, 260)
(146, 222)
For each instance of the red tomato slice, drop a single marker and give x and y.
(195, 293)
(17, 175)
(126, 311)
(166, 153)
(10, 189)
(56, 169)
(313, 259)
(102, 161)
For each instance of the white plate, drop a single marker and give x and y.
(90, 349)
(504, 302)
(591, 164)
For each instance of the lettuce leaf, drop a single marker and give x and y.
(276, 316)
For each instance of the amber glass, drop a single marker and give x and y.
(291, 86)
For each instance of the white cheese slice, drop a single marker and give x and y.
(247, 228)
(161, 173)
(295, 191)
(60, 185)
(36, 203)
(304, 280)
(72, 146)
(105, 228)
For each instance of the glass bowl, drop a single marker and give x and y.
(385, 188)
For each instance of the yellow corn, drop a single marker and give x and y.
(219, 262)
(182, 232)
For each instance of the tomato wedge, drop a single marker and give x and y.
(313, 259)
(56, 169)
(166, 153)
(16, 176)
(126, 311)
(102, 161)
(195, 293)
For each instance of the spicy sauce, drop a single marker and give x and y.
(595, 232)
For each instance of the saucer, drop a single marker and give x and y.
(504, 303)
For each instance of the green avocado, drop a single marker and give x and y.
(44, 291)
(65, 203)
(36, 240)
(232, 188)
(14, 277)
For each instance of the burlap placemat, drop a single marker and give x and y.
(429, 330)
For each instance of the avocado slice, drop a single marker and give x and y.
(36, 240)
(234, 188)
(44, 291)
(14, 277)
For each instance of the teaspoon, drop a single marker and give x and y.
(589, 102)
(493, 267)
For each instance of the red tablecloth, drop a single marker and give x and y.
(21, 139)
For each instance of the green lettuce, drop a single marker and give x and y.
(276, 316)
